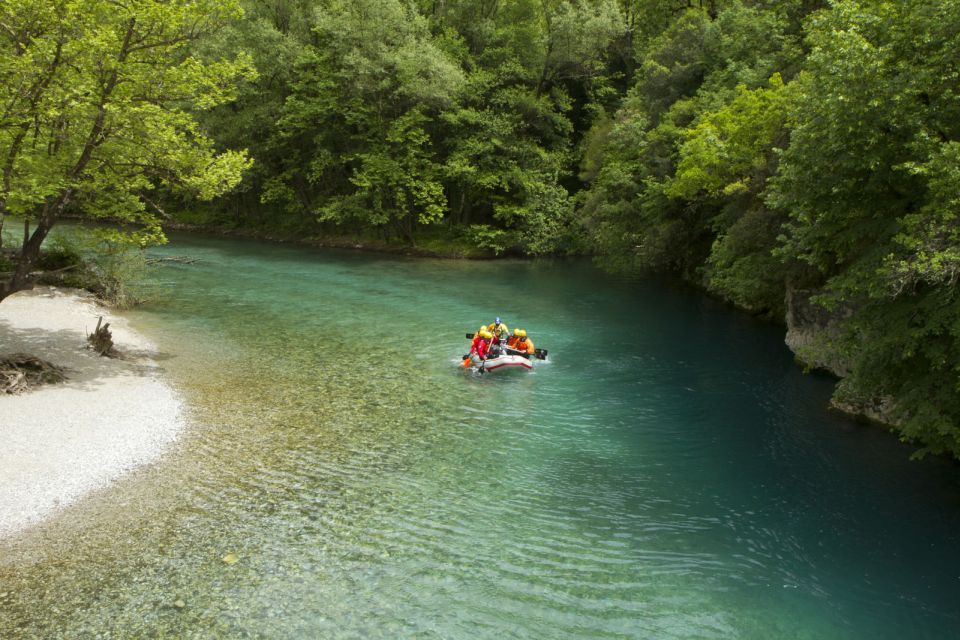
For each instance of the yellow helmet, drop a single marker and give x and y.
(486, 335)
(516, 332)
(482, 328)
(523, 333)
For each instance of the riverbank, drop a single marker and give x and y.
(431, 245)
(61, 442)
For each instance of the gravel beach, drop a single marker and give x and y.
(60, 442)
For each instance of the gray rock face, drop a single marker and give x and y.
(812, 332)
(812, 336)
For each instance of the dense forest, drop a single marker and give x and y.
(797, 158)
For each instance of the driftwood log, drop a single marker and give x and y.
(173, 259)
(101, 340)
(20, 371)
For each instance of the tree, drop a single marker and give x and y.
(677, 177)
(725, 162)
(360, 118)
(872, 189)
(276, 35)
(95, 113)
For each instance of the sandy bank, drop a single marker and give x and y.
(60, 442)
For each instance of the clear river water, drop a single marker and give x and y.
(669, 472)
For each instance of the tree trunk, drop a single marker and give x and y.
(52, 211)
(101, 340)
(21, 278)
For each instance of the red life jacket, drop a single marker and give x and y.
(479, 346)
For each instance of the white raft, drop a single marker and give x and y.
(502, 362)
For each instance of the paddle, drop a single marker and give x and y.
(539, 354)
(467, 360)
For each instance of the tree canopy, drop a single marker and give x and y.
(97, 112)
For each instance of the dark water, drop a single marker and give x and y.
(668, 473)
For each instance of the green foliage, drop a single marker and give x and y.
(747, 158)
(60, 254)
(741, 266)
(725, 161)
(725, 152)
(486, 237)
(366, 96)
(98, 110)
(879, 99)
(394, 117)
(99, 260)
(676, 63)
(748, 145)
(907, 349)
(119, 270)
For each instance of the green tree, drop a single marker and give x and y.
(677, 176)
(95, 112)
(725, 162)
(360, 118)
(535, 70)
(276, 35)
(870, 182)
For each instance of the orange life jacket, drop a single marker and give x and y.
(525, 344)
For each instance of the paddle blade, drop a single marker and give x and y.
(540, 353)
(469, 336)
(466, 362)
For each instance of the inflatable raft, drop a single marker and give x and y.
(502, 362)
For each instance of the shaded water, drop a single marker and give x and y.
(669, 473)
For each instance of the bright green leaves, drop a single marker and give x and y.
(396, 181)
(98, 98)
(871, 151)
(724, 163)
(685, 162)
(732, 149)
(929, 244)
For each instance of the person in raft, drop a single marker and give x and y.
(513, 340)
(481, 343)
(495, 346)
(499, 330)
(525, 344)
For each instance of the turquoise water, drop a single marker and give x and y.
(668, 473)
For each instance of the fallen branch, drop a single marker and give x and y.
(176, 259)
(20, 371)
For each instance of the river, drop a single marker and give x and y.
(669, 472)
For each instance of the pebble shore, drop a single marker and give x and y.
(60, 442)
